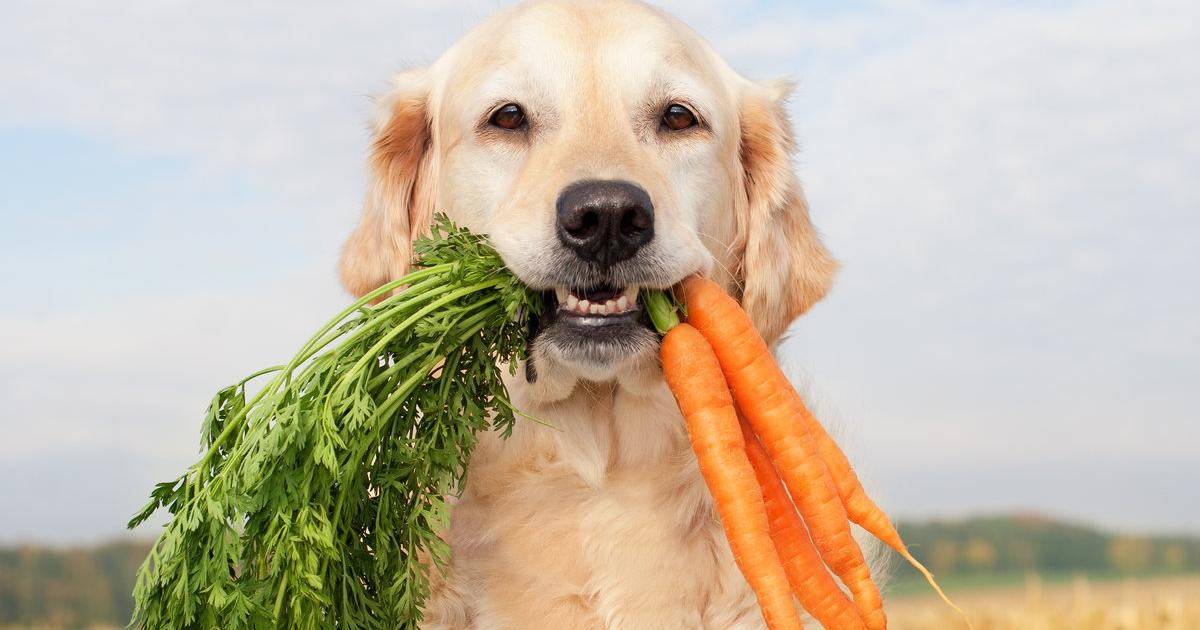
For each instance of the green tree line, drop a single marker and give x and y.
(69, 588)
(1008, 544)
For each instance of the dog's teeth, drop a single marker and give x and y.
(623, 303)
(630, 294)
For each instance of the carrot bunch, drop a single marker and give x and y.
(784, 490)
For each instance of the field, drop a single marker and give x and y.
(1072, 603)
(1010, 572)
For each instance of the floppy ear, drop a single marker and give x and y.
(783, 267)
(398, 204)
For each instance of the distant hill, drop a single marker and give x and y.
(87, 587)
(69, 588)
(1034, 543)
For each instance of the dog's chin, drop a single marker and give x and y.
(597, 349)
(596, 340)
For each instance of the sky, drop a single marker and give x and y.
(1010, 186)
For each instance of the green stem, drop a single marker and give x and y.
(391, 370)
(474, 324)
(409, 280)
(273, 368)
(279, 601)
(662, 309)
(374, 352)
(412, 295)
(235, 423)
(413, 380)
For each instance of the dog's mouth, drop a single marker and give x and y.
(602, 313)
(593, 326)
(596, 306)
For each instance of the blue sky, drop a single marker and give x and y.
(1010, 186)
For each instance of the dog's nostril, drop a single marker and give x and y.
(635, 221)
(582, 224)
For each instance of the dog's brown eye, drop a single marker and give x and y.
(509, 117)
(677, 118)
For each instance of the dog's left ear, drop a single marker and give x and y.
(399, 203)
(783, 267)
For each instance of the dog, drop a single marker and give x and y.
(603, 147)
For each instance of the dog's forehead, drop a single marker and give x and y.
(552, 47)
(583, 29)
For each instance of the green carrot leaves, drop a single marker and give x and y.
(317, 502)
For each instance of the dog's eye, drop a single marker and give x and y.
(677, 118)
(509, 117)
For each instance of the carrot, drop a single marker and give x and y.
(811, 582)
(859, 507)
(767, 399)
(695, 378)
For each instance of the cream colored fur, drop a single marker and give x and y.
(602, 520)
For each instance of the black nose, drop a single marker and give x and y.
(605, 221)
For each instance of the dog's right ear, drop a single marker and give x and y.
(783, 267)
(399, 203)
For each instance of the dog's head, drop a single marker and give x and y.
(603, 147)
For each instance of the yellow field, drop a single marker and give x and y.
(1169, 603)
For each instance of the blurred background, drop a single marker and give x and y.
(1012, 351)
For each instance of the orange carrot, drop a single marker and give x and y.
(811, 582)
(766, 398)
(859, 507)
(695, 378)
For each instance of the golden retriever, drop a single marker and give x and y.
(603, 146)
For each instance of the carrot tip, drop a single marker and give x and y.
(932, 582)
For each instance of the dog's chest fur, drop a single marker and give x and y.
(599, 521)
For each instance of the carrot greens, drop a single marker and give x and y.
(318, 497)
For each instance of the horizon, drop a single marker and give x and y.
(140, 535)
(1009, 188)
